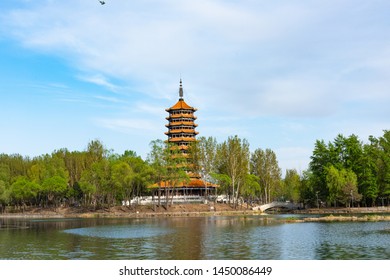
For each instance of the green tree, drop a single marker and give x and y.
(342, 185)
(122, 177)
(204, 154)
(3, 196)
(384, 166)
(234, 161)
(368, 184)
(320, 161)
(265, 166)
(54, 188)
(23, 191)
(251, 188)
(157, 160)
(95, 184)
(334, 183)
(224, 182)
(349, 189)
(292, 185)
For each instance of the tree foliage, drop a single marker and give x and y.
(342, 172)
(369, 164)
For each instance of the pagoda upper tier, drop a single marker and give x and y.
(181, 126)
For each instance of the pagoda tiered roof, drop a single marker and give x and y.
(181, 105)
(183, 130)
(182, 139)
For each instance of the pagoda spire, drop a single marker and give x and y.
(181, 90)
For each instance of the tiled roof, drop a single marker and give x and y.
(181, 104)
(181, 139)
(174, 131)
(181, 123)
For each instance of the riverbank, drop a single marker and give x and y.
(176, 210)
(187, 210)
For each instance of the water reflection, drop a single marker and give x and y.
(122, 231)
(254, 237)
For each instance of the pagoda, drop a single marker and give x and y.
(181, 135)
(181, 126)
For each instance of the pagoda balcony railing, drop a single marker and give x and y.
(175, 131)
(188, 123)
(176, 116)
(179, 147)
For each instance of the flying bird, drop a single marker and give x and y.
(102, 2)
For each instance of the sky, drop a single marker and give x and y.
(281, 74)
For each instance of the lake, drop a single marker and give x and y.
(192, 238)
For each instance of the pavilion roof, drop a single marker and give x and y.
(193, 183)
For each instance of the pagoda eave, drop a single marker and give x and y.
(188, 123)
(182, 139)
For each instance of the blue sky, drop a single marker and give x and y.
(281, 74)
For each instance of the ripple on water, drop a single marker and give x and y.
(120, 231)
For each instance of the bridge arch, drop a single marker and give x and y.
(277, 204)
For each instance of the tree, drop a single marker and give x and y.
(251, 188)
(178, 167)
(342, 153)
(349, 189)
(334, 184)
(320, 161)
(157, 160)
(142, 172)
(342, 185)
(265, 166)
(3, 195)
(54, 188)
(96, 151)
(122, 178)
(292, 185)
(384, 166)
(96, 184)
(233, 156)
(23, 191)
(204, 155)
(368, 184)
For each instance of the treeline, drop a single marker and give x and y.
(347, 171)
(343, 172)
(94, 177)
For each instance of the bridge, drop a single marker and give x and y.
(277, 204)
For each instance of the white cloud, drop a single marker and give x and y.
(100, 80)
(240, 60)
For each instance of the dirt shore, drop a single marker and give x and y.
(183, 210)
(124, 211)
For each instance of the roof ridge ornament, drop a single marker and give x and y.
(181, 90)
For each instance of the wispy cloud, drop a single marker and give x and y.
(240, 60)
(100, 80)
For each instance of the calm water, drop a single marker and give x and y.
(254, 237)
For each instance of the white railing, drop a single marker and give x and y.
(149, 200)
